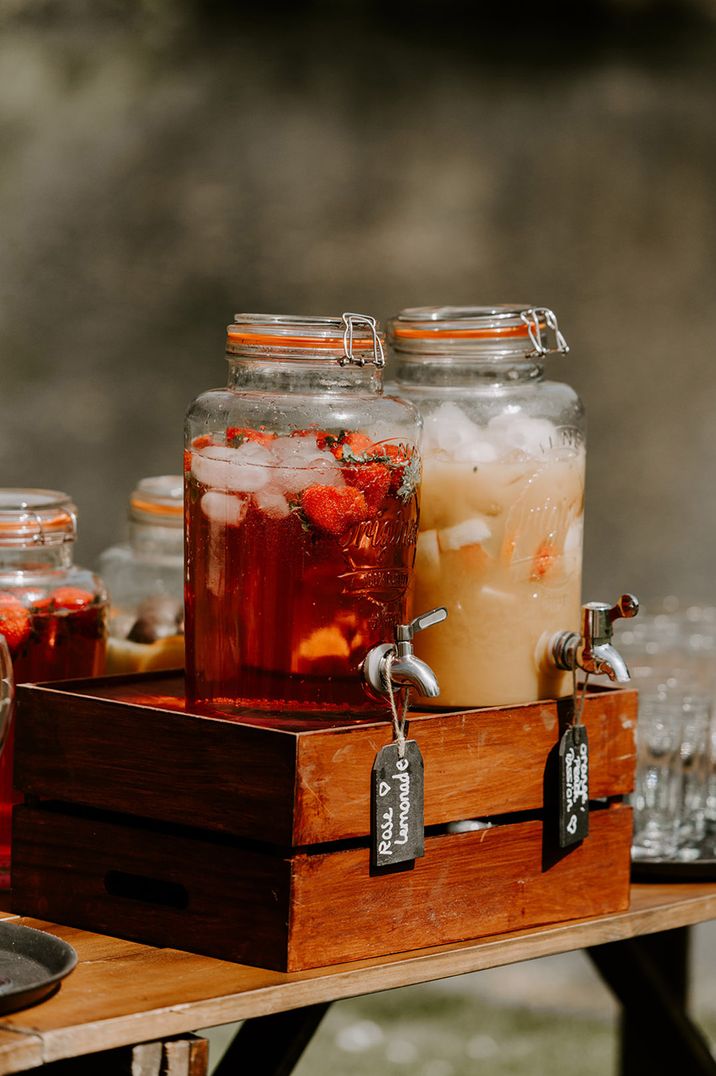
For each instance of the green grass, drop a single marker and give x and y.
(423, 1031)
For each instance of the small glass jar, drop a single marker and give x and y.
(301, 517)
(500, 541)
(145, 578)
(52, 613)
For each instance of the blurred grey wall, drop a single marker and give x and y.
(164, 165)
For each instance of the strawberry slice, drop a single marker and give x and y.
(72, 598)
(237, 435)
(334, 509)
(373, 480)
(544, 560)
(14, 620)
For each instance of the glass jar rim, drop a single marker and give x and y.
(509, 327)
(303, 335)
(31, 517)
(158, 500)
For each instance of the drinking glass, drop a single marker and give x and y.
(657, 798)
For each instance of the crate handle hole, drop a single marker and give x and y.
(147, 890)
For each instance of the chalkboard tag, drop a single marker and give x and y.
(573, 786)
(397, 828)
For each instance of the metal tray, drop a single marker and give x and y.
(32, 963)
(673, 870)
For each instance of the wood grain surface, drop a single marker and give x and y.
(478, 763)
(217, 898)
(141, 993)
(292, 782)
(467, 885)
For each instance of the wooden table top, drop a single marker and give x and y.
(123, 993)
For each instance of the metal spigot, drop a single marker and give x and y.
(592, 651)
(406, 670)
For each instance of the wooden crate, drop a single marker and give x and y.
(248, 838)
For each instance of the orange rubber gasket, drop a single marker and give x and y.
(310, 343)
(469, 334)
(156, 509)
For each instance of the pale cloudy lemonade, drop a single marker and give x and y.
(500, 545)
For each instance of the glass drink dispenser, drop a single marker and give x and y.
(500, 542)
(301, 505)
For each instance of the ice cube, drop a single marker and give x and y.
(497, 598)
(449, 432)
(300, 463)
(573, 539)
(427, 556)
(241, 470)
(271, 502)
(223, 509)
(473, 531)
(251, 452)
(295, 451)
(325, 471)
(515, 430)
(482, 451)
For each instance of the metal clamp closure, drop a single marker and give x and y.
(44, 537)
(532, 319)
(350, 321)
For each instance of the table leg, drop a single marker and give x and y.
(271, 1045)
(649, 976)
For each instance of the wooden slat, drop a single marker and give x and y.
(293, 782)
(19, 1049)
(152, 994)
(169, 766)
(477, 763)
(467, 885)
(182, 889)
(234, 903)
(186, 1056)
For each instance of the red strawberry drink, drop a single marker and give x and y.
(299, 551)
(52, 614)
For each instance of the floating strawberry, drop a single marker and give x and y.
(334, 509)
(404, 465)
(319, 435)
(14, 620)
(237, 435)
(202, 441)
(373, 480)
(72, 598)
(346, 446)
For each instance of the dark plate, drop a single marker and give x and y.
(673, 870)
(31, 965)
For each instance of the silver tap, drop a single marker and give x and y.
(593, 651)
(406, 670)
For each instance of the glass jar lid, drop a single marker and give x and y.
(349, 339)
(31, 517)
(490, 331)
(158, 501)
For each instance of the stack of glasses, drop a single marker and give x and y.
(672, 658)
